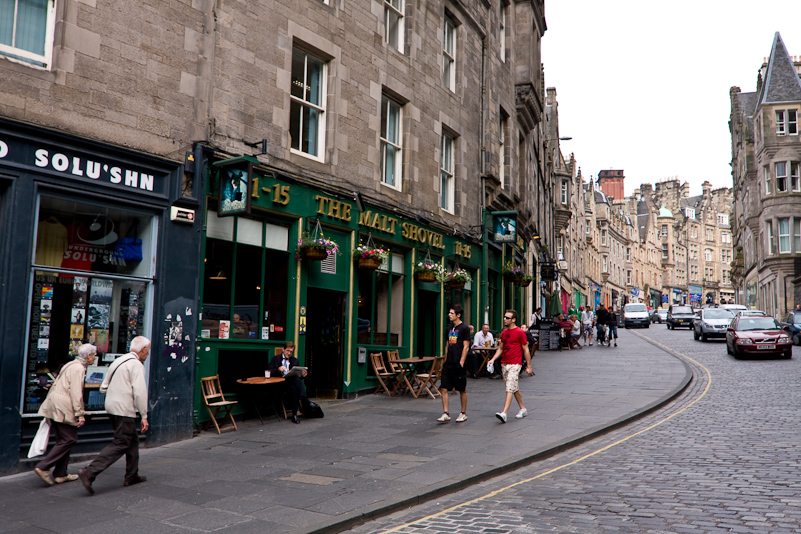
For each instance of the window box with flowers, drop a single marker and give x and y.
(513, 273)
(315, 248)
(427, 271)
(369, 257)
(455, 279)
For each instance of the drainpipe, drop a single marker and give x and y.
(483, 182)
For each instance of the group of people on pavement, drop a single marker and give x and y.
(126, 395)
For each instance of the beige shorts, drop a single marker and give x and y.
(511, 372)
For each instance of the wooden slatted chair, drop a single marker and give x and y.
(384, 375)
(401, 384)
(428, 381)
(216, 403)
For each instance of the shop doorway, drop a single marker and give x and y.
(325, 324)
(428, 320)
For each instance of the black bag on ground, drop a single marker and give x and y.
(313, 411)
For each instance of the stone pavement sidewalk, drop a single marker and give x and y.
(367, 457)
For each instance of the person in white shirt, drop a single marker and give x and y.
(481, 339)
(587, 320)
(126, 394)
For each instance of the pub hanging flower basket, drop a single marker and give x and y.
(455, 279)
(513, 273)
(427, 271)
(369, 257)
(315, 248)
(524, 280)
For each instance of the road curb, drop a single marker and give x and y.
(388, 506)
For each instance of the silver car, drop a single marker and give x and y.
(711, 322)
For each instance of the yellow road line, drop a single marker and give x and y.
(574, 462)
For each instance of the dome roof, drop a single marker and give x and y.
(664, 212)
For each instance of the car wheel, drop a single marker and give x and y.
(736, 354)
(704, 337)
(788, 354)
(695, 335)
(647, 326)
(728, 350)
(798, 340)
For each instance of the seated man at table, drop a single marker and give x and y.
(280, 366)
(481, 339)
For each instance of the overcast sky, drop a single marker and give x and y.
(643, 86)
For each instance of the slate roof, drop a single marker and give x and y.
(600, 197)
(782, 83)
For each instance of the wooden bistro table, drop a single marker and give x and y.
(486, 353)
(262, 381)
(409, 369)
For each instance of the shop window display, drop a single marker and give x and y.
(98, 305)
(381, 304)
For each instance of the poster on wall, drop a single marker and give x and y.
(98, 316)
(101, 291)
(99, 338)
(235, 176)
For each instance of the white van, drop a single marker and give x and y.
(636, 315)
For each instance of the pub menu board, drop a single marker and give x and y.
(549, 338)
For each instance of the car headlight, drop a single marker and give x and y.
(706, 325)
(745, 341)
(784, 340)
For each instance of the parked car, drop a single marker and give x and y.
(749, 312)
(636, 315)
(659, 315)
(680, 316)
(711, 322)
(734, 307)
(750, 335)
(792, 325)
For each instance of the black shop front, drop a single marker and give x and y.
(98, 244)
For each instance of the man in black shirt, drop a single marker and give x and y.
(454, 375)
(601, 320)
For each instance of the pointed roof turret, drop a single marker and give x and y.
(782, 83)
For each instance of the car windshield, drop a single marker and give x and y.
(757, 323)
(636, 308)
(718, 314)
(683, 309)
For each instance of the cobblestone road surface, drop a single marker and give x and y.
(724, 457)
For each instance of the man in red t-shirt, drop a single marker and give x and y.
(513, 346)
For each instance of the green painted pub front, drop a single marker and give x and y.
(257, 293)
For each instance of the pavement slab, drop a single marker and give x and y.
(367, 456)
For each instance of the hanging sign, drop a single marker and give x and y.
(235, 176)
(504, 226)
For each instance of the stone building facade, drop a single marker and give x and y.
(431, 111)
(766, 158)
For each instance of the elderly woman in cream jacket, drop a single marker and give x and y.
(64, 407)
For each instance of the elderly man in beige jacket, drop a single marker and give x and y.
(64, 407)
(126, 394)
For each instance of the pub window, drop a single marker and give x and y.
(245, 280)
(381, 303)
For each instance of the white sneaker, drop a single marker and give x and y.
(462, 418)
(521, 414)
(501, 416)
(444, 418)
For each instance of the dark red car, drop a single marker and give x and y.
(750, 335)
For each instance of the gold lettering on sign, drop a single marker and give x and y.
(333, 208)
(460, 249)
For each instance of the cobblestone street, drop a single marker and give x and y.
(723, 457)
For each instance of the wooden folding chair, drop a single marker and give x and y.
(211, 391)
(382, 373)
(428, 381)
(402, 374)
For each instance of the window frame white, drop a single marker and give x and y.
(446, 173)
(784, 234)
(23, 56)
(563, 193)
(397, 11)
(708, 254)
(449, 54)
(307, 104)
(385, 142)
(795, 176)
(770, 238)
(502, 31)
(780, 172)
(796, 234)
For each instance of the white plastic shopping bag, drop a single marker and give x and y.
(490, 368)
(39, 444)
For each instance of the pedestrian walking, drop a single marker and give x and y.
(454, 375)
(601, 318)
(612, 322)
(511, 350)
(64, 407)
(126, 394)
(587, 320)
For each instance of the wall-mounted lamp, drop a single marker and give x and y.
(357, 196)
(262, 143)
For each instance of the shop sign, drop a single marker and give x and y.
(548, 272)
(664, 299)
(695, 293)
(74, 165)
(504, 226)
(235, 177)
